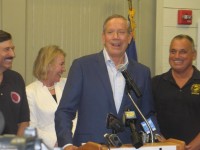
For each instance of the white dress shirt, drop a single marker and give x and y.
(116, 79)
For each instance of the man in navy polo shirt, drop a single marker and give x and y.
(177, 94)
(13, 101)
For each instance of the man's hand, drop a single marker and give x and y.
(70, 147)
(21, 128)
(194, 144)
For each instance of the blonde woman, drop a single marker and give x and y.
(45, 93)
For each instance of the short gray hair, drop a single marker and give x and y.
(117, 16)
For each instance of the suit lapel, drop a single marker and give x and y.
(103, 74)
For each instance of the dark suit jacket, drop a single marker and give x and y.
(88, 91)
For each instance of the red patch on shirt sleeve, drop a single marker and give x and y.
(15, 97)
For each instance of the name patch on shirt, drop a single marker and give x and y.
(195, 89)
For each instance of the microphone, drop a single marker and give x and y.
(146, 129)
(129, 81)
(113, 140)
(114, 123)
(29, 141)
(129, 119)
(130, 84)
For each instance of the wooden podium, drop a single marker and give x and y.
(170, 144)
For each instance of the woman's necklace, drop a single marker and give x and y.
(51, 88)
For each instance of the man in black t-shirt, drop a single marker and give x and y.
(13, 101)
(177, 94)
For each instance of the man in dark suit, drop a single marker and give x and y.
(95, 87)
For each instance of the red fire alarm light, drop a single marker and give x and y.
(184, 17)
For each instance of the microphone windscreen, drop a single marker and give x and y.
(145, 127)
(113, 140)
(121, 67)
(114, 123)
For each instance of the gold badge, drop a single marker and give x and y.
(195, 89)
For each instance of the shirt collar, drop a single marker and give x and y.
(195, 75)
(109, 60)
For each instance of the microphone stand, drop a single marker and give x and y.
(145, 120)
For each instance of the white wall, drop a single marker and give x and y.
(167, 28)
(13, 20)
(74, 25)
